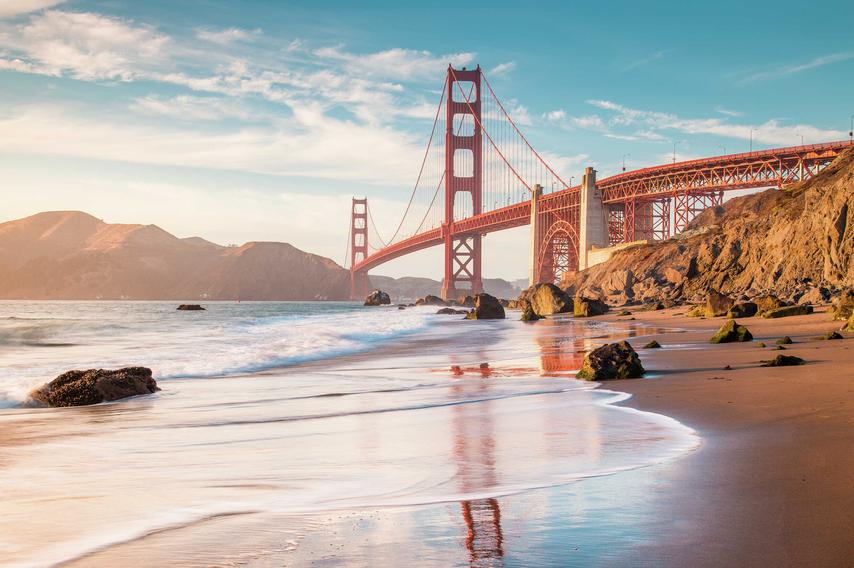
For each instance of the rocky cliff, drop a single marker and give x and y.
(796, 243)
(73, 255)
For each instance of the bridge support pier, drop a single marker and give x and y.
(359, 282)
(536, 236)
(592, 218)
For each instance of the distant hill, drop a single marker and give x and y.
(410, 288)
(73, 255)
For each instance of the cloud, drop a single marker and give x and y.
(188, 107)
(12, 8)
(82, 45)
(502, 69)
(728, 112)
(555, 115)
(651, 124)
(225, 36)
(398, 64)
(646, 60)
(793, 69)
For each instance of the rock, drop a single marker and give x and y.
(377, 298)
(528, 314)
(767, 302)
(652, 345)
(849, 326)
(547, 299)
(697, 311)
(486, 307)
(451, 312)
(761, 344)
(654, 306)
(787, 311)
(728, 368)
(717, 304)
(779, 348)
(784, 361)
(430, 300)
(611, 361)
(190, 307)
(831, 335)
(843, 305)
(785, 340)
(504, 303)
(466, 301)
(80, 388)
(815, 296)
(587, 307)
(625, 313)
(742, 310)
(401, 307)
(731, 332)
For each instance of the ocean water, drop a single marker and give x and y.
(274, 415)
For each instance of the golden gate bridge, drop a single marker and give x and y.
(490, 179)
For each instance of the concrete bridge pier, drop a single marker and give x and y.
(593, 219)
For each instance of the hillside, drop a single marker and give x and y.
(792, 242)
(73, 255)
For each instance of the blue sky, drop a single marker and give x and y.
(253, 120)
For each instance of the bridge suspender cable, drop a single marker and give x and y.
(491, 141)
(519, 132)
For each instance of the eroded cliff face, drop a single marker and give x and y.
(792, 242)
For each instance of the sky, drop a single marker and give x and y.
(259, 120)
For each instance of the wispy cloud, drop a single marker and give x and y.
(646, 60)
(792, 69)
(728, 112)
(12, 8)
(502, 69)
(651, 125)
(226, 36)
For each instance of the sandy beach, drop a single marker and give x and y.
(773, 482)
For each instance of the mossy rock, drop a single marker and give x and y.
(611, 361)
(625, 313)
(788, 311)
(784, 361)
(696, 312)
(742, 310)
(732, 332)
(761, 344)
(652, 345)
(785, 340)
(831, 335)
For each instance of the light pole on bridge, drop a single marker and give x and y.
(624, 160)
(723, 148)
(751, 139)
(675, 142)
(851, 132)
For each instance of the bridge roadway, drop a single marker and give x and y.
(763, 168)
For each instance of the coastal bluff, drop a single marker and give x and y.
(796, 243)
(70, 255)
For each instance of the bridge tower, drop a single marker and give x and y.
(462, 251)
(358, 248)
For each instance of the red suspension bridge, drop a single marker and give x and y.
(490, 179)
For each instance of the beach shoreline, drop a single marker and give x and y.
(773, 481)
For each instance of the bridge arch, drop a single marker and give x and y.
(558, 251)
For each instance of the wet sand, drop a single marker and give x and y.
(773, 483)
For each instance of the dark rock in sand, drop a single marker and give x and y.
(784, 361)
(654, 306)
(787, 311)
(652, 345)
(718, 304)
(625, 313)
(377, 298)
(611, 361)
(546, 299)
(486, 307)
(587, 307)
(742, 310)
(80, 388)
(785, 340)
(528, 314)
(190, 307)
(761, 344)
(451, 312)
(430, 300)
(731, 332)
(831, 335)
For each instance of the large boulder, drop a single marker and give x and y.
(528, 312)
(80, 388)
(587, 307)
(547, 299)
(486, 307)
(450, 312)
(377, 298)
(430, 300)
(742, 310)
(767, 302)
(843, 305)
(611, 361)
(718, 304)
(787, 311)
(731, 332)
